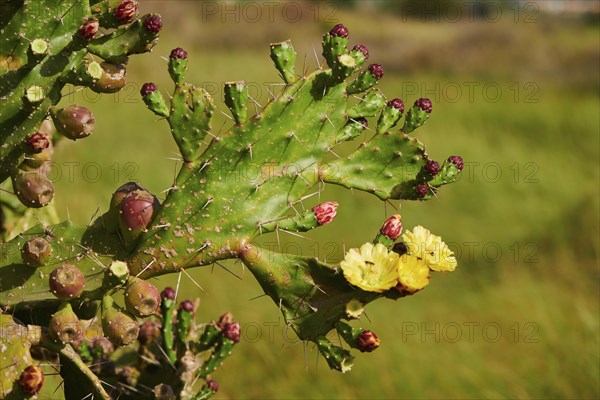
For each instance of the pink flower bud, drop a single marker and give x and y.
(392, 227)
(326, 212)
(367, 341)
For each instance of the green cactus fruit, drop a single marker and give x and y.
(36, 251)
(167, 308)
(366, 79)
(31, 380)
(284, 58)
(66, 282)
(136, 212)
(117, 273)
(358, 338)
(74, 122)
(64, 326)
(177, 65)
(142, 298)
(184, 319)
(417, 115)
(390, 115)
(236, 97)
(112, 79)
(33, 189)
(334, 44)
(337, 357)
(118, 327)
(154, 100)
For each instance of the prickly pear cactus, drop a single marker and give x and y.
(59, 276)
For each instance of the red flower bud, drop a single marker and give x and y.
(458, 161)
(232, 331)
(339, 30)
(392, 227)
(153, 24)
(326, 212)
(89, 29)
(367, 341)
(31, 379)
(38, 141)
(126, 11)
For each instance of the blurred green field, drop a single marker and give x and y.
(519, 317)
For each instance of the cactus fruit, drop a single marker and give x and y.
(67, 282)
(64, 326)
(142, 298)
(31, 380)
(74, 122)
(210, 214)
(33, 189)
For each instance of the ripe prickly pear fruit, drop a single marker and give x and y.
(417, 115)
(36, 252)
(367, 341)
(64, 326)
(118, 327)
(137, 210)
(74, 122)
(112, 79)
(33, 189)
(31, 380)
(67, 282)
(142, 298)
(126, 12)
(325, 212)
(153, 23)
(111, 219)
(89, 28)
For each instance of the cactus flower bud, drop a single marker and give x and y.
(339, 30)
(64, 326)
(137, 211)
(367, 341)
(153, 24)
(458, 161)
(398, 104)
(74, 122)
(67, 282)
(212, 385)
(187, 306)
(89, 29)
(117, 326)
(363, 49)
(112, 79)
(34, 190)
(148, 88)
(224, 320)
(422, 189)
(31, 380)
(424, 104)
(38, 141)
(178, 53)
(149, 331)
(142, 298)
(376, 70)
(168, 293)
(36, 252)
(432, 167)
(126, 11)
(326, 212)
(232, 331)
(392, 227)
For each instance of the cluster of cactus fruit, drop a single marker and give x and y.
(61, 284)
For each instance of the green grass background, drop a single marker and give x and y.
(539, 293)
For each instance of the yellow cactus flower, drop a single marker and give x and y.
(430, 248)
(413, 273)
(372, 268)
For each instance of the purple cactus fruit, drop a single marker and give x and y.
(31, 380)
(325, 212)
(212, 385)
(363, 49)
(74, 122)
(149, 331)
(36, 252)
(400, 248)
(148, 88)
(89, 29)
(142, 298)
(424, 104)
(33, 189)
(137, 210)
(458, 161)
(224, 320)
(153, 24)
(422, 189)
(64, 326)
(126, 11)
(38, 142)
(120, 328)
(187, 306)
(67, 282)
(432, 167)
(178, 53)
(376, 70)
(392, 227)
(339, 30)
(367, 341)
(398, 104)
(232, 331)
(168, 293)
(112, 79)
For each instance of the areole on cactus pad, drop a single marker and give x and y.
(211, 214)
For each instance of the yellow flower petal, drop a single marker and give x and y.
(430, 248)
(372, 267)
(413, 273)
